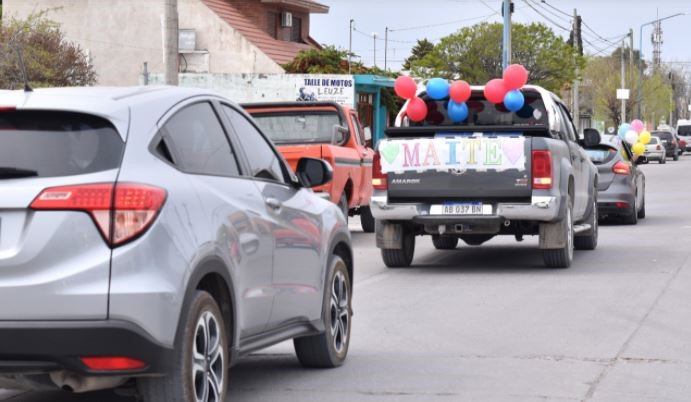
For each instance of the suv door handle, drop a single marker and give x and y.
(273, 203)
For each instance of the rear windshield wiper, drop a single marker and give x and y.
(16, 173)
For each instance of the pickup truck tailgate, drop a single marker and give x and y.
(496, 168)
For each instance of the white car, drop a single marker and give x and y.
(654, 151)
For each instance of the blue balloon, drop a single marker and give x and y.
(458, 112)
(623, 129)
(437, 88)
(514, 100)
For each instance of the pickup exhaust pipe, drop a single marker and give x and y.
(71, 382)
(507, 223)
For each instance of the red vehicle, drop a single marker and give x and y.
(331, 132)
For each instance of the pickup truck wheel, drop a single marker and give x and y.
(343, 205)
(588, 241)
(366, 220)
(444, 242)
(200, 373)
(562, 257)
(403, 257)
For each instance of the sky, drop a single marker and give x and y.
(414, 19)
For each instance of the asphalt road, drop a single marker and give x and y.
(490, 323)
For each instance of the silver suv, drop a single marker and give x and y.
(155, 234)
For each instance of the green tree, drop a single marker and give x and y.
(474, 54)
(50, 60)
(419, 51)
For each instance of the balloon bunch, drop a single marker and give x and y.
(406, 88)
(636, 135)
(437, 89)
(507, 90)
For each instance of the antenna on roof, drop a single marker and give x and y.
(27, 87)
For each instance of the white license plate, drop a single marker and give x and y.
(466, 208)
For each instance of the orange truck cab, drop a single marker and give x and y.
(328, 131)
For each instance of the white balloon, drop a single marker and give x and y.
(631, 137)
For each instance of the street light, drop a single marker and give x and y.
(640, 58)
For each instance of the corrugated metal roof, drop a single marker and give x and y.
(281, 52)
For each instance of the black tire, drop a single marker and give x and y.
(663, 160)
(562, 257)
(641, 213)
(343, 205)
(330, 348)
(181, 385)
(632, 218)
(367, 220)
(444, 242)
(675, 157)
(588, 240)
(403, 257)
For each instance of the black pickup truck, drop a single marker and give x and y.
(497, 173)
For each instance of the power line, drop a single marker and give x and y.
(546, 17)
(441, 24)
(556, 9)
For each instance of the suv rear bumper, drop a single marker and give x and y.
(31, 347)
(540, 209)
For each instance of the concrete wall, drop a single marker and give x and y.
(121, 35)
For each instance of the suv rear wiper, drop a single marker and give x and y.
(15, 173)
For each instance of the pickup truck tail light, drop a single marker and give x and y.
(121, 211)
(659, 147)
(379, 179)
(542, 170)
(622, 168)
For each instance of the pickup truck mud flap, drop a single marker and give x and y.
(389, 235)
(553, 235)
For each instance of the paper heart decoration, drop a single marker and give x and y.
(512, 150)
(390, 152)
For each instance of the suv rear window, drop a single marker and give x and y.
(663, 135)
(54, 144)
(298, 128)
(482, 112)
(684, 131)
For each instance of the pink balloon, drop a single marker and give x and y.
(495, 90)
(637, 126)
(460, 91)
(515, 77)
(416, 109)
(405, 87)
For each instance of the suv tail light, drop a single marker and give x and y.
(622, 168)
(379, 179)
(112, 363)
(659, 148)
(121, 211)
(542, 170)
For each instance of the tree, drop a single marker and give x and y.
(50, 60)
(474, 54)
(419, 51)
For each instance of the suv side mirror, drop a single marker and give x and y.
(339, 134)
(591, 138)
(313, 172)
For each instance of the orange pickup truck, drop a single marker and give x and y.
(331, 132)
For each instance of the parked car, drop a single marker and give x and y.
(654, 151)
(621, 185)
(669, 142)
(331, 132)
(684, 132)
(497, 173)
(140, 233)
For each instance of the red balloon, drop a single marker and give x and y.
(405, 87)
(460, 91)
(495, 90)
(417, 109)
(515, 77)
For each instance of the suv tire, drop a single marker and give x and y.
(330, 348)
(444, 242)
(641, 213)
(562, 257)
(201, 368)
(403, 257)
(366, 219)
(632, 219)
(588, 241)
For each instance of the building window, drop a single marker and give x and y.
(272, 23)
(296, 32)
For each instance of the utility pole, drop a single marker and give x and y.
(576, 82)
(374, 37)
(623, 84)
(170, 41)
(506, 37)
(386, 48)
(350, 45)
